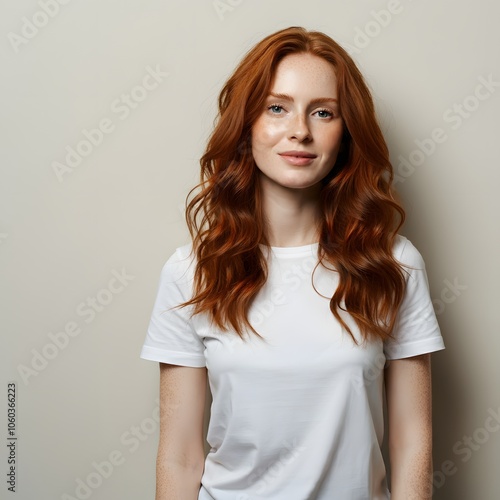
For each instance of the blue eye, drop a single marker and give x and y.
(324, 113)
(275, 108)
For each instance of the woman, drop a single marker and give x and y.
(296, 297)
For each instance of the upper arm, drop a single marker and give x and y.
(182, 407)
(409, 401)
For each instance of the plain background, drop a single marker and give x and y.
(63, 233)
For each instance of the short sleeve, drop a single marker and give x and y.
(171, 337)
(416, 330)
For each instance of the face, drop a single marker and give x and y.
(296, 139)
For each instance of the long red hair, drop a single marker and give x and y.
(360, 213)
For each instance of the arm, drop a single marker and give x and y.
(181, 454)
(409, 407)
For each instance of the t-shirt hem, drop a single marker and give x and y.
(172, 357)
(415, 348)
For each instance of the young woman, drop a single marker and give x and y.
(297, 298)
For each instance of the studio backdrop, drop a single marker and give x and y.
(106, 107)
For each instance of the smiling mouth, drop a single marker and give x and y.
(298, 154)
(297, 158)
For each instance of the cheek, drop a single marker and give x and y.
(266, 134)
(332, 140)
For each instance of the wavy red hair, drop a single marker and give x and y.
(360, 213)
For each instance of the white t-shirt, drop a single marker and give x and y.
(301, 416)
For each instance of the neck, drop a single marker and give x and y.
(292, 215)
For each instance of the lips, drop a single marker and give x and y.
(298, 158)
(298, 154)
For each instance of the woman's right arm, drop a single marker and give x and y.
(181, 453)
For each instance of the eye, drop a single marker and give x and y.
(275, 109)
(324, 113)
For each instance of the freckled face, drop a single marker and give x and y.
(296, 139)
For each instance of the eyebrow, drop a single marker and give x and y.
(287, 97)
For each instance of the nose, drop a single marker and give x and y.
(299, 129)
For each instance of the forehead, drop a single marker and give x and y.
(304, 73)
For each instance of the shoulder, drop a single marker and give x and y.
(179, 266)
(406, 253)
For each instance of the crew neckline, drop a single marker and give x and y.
(300, 250)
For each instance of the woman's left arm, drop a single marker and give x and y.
(409, 405)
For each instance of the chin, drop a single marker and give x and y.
(300, 185)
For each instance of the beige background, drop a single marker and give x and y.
(66, 232)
